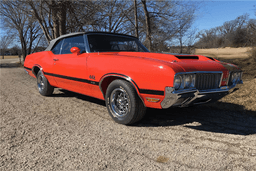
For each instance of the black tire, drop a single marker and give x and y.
(123, 103)
(43, 85)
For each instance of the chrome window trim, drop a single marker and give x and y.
(87, 47)
(61, 46)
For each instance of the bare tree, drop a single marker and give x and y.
(183, 26)
(235, 33)
(15, 19)
(162, 20)
(51, 16)
(113, 16)
(155, 22)
(5, 42)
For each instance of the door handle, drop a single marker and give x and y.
(55, 59)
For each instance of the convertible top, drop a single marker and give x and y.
(52, 42)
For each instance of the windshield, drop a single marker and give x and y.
(109, 43)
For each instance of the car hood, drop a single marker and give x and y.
(188, 63)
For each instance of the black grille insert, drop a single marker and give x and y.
(206, 81)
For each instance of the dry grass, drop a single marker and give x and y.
(253, 53)
(9, 56)
(245, 95)
(225, 52)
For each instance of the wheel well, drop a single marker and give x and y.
(106, 81)
(35, 70)
(104, 84)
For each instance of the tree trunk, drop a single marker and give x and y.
(2, 53)
(23, 46)
(181, 45)
(62, 17)
(55, 20)
(136, 19)
(148, 28)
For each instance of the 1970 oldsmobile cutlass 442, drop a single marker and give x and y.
(117, 68)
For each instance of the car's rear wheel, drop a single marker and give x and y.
(123, 103)
(43, 85)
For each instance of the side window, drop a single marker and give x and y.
(57, 47)
(75, 41)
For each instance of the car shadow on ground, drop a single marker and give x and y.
(66, 93)
(211, 118)
(217, 117)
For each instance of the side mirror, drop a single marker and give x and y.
(75, 50)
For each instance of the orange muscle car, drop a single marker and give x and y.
(117, 68)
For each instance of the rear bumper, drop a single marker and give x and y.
(193, 97)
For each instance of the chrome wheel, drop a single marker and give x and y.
(40, 82)
(43, 85)
(119, 102)
(123, 103)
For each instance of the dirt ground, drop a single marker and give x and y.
(69, 131)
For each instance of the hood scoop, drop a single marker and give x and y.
(186, 57)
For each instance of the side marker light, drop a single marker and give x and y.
(154, 100)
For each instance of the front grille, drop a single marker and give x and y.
(206, 81)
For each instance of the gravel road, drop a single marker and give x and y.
(69, 131)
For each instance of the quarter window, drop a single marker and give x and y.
(57, 47)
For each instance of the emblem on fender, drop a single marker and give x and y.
(92, 77)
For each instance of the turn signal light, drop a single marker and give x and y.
(154, 100)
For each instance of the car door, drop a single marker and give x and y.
(69, 69)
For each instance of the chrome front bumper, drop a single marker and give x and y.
(185, 98)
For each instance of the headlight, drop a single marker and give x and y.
(177, 82)
(193, 83)
(184, 81)
(239, 78)
(187, 81)
(234, 77)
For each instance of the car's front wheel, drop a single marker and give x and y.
(123, 103)
(43, 85)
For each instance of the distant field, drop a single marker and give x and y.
(9, 56)
(225, 52)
